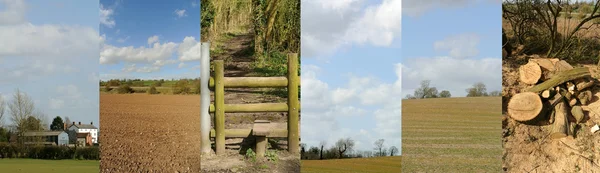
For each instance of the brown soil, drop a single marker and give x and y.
(527, 148)
(149, 133)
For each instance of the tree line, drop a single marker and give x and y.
(177, 86)
(426, 91)
(344, 148)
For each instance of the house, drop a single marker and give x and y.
(84, 139)
(46, 137)
(86, 128)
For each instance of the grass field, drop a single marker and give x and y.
(49, 166)
(452, 135)
(366, 165)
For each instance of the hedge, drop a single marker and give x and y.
(48, 152)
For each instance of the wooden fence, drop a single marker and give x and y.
(218, 83)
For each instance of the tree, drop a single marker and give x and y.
(408, 96)
(425, 91)
(152, 90)
(302, 150)
(445, 94)
(57, 124)
(393, 150)
(344, 145)
(21, 108)
(478, 90)
(32, 123)
(495, 93)
(67, 121)
(379, 147)
(322, 144)
(2, 109)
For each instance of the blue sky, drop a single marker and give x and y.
(52, 56)
(350, 72)
(149, 39)
(454, 45)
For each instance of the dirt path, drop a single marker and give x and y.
(238, 58)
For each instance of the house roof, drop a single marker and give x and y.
(43, 133)
(82, 135)
(84, 126)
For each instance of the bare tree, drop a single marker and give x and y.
(21, 107)
(425, 91)
(393, 150)
(478, 90)
(2, 110)
(344, 145)
(322, 144)
(379, 147)
(67, 122)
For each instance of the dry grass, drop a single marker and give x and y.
(452, 135)
(367, 165)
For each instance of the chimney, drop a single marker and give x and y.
(92, 123)
(79, 122)
(73, 122)
(64, 126)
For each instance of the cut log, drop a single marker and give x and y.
(525, 106)
(577, 113)
(572, 101)
(557, 98)
(560, 78)
(562, 65)
(585, 97)
(530, 73)
(545, 63)
(584, 85)
(560, 127)
(549, 93)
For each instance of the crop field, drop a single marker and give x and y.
(142, 133)
(50, 166)
(366, 165)
(452, 135)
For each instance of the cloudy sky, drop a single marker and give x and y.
(51, 54)
(149, 39)
(452, 43)
(350, 72)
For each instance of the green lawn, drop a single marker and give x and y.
(48, 166)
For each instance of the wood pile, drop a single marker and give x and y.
(557, 92)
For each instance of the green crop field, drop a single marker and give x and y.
(452, 135)
(366, 165)
(48, 166)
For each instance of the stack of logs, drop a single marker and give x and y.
(558, 91)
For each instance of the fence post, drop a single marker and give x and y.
(205, 97)
(219, 107)
(293, 79)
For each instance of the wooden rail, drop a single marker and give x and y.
(291, 81)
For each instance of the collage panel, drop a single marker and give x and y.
(351, 75)
(150, 86)
(250, 111)
(550, 94)
(451, 84)
(49, 118)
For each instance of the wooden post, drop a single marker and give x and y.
(219, 107)
(205, 98)
(293, 104)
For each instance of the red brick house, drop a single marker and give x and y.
(84, 139)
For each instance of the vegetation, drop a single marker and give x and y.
(57, 124)
(48, 166)
(344, 148)
(425, 91)
(549, 28)
(48, 152)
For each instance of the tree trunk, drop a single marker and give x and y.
(525, 106)
(321, 155)
(561, 78)
(560, 126)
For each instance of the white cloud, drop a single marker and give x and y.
(324, 108)
(189, 49)
(331, 25)
(106, 17)
(194, 3)
(452, 74)
(181, 65)
(13, 13)
(144, 69)
(152, 39)
(180, 13)
(122, 40)
(112, 55)
(459, 46)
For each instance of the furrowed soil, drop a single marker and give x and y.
(528, 147)
(451, 135)
(363, 165)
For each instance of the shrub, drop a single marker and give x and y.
(48, 152)
(181, 87)
(124, 89)
(152, 90)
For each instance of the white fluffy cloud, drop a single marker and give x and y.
(112, 54)
(324, 107)
(13, 13)
(180, 13)
(452, 74)
(459, 46)
(189, 49)
(152, 39)
(106, 17)
(330, 25)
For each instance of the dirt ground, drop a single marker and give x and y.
(527, 148)
(149, 133)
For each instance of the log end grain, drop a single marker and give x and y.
(525, 106)
(530, 73)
